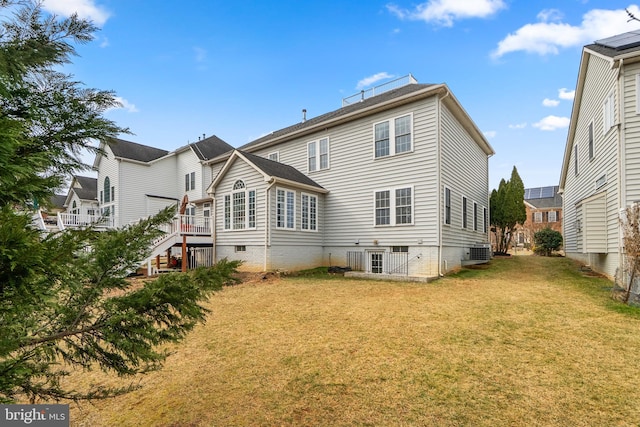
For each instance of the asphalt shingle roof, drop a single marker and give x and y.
(135, 151)
(88, 189)
(280, 170)
(378, 99)
(547, 202)
(210, 147)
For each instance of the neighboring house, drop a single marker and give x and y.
(136, 181)
(602, 155)
(81, 203)
(395, 183)
(544, 210)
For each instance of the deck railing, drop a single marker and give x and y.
(377, 90)
(67, 220)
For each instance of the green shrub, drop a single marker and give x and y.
(547, 241)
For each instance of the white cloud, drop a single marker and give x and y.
(125, 105)
(444, 12)
(104, 42)
(518, 126)
(86, 9)
(566, 94)
(551, 123)
(549, 35)
(490, 133)
(550, 102)
(368, 81)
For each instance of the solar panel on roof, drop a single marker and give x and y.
(546, 192)
(538, 193)
(621, 41)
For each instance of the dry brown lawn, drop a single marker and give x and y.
(528, 341)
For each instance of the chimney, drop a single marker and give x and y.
(304, 115)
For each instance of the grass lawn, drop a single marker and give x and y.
(525, 341)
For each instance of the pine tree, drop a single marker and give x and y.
(65, 301)
(507, 210)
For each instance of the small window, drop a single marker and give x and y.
(485, 216)
(241, 248)
(475, 216)
(537, 217)
(601, 181)
(464, 212)
(609, 112)
(401, 249)
(447, 206)
(552, 216)
(575, 159)
(275, 156)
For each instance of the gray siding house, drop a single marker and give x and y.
(395, 183)
(601, 167)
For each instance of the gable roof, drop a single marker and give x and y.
(272, 171)
(57, 201)
(134, 151)
(210, 147)
(386, 100)
(86, 188)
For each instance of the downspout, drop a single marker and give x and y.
(267, 221)
(439, 183)
(214, 218)
(622, 182)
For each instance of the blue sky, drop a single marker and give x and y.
(242, 69)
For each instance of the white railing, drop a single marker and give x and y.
(67, 220)
(377, 90)
(195, 225)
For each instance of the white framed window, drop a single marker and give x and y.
(240, 248)
(318, 155)
(309, 212)
(537, 217)
(393, 206)
(285, 209)
(240, 208)
(275, 156)
(601, 181)
(190, 181)
(485, 216)
(465, 217)
(399, 249)
(393, 136)
(447, 206)
(609, 112)
(475, 216)
(552, 216)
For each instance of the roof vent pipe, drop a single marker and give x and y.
(304, 115)
(361, 95)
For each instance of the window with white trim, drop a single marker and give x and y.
(552, 216)
(240, 208)
(309, 212)
(475, 216)
(485, 216)
(285, 209)
(464, 212)
(609, 112)
(537, 217)
(275, 156)
(447, 206)
(318, 155)
(190, 181)
(393, 136)
(394, 206)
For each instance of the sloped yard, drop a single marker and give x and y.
(527, 341)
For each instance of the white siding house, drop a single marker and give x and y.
(396, 183)
(601, 167)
